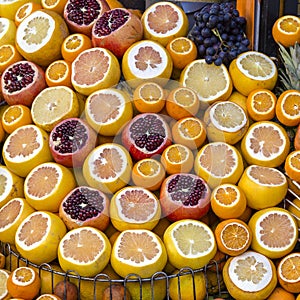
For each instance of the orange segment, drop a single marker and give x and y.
(73, 45)
(288, 108)
(149, 97)
(8, 55)
(59, 73)
(189, 131)
(286, 30)
(177, 158)
(16, 116)
(292, 165)
(148, 173)
(261, 104)
(182, 50)
(233, 236)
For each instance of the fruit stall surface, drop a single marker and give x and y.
(150, 150)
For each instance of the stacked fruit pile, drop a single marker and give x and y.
(137, 150)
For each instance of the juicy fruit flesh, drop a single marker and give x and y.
(235, 236)
(148, 168)
(90, 68)
(105, 107)
(263, 102)
(291, 105)
(3, 280)
(73, 43)
(289, 25)
(18, 77)
(186, 189)
(189, 243)
(266, 176)
(23, 144)
(265, 142)
(57, 71)
(35, 32)
(184, 97)
(190, 128)
(273, 226)
(9, 213)
(290, 268)
(181, 46)
(43, 181)
(226, 196)
(228, 116)
(82, 247)
(6, 53)
(110, 21)
(12, 114)
(83, 203)
(212, 156)
(3, 185)
(207, 86)
(250, 271)
(148, 133)
(109, 164)
(256, 66)
(23, 276)
(150, 92)
(69, 137)
(177, 154)
(163, 20)
(136, 205)
(34, 230)
(82, 12)
(138, 248)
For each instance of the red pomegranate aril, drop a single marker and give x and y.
(80, 15)
(21, 83)
(116, 30)
(85, 206)
(184, 196)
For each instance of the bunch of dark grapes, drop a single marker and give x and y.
(219, 33)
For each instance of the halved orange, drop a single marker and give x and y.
(189, 131)
(149, 97)
(74, 44)
(286, 30)
(292, 165)
(233, 236)
(182, 102)
(54, 5)
(148, 173)
(8, 55)
(25, 10)
(59, 73)
(177, 158)
(182, 50)
(288, 107)
(15, 116)
(261, 104)
(4, 274)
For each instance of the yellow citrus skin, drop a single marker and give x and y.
(8, 9)
(258, 246)
(264, 195)
(46, 251)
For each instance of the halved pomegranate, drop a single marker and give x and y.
(184, 196)
(70, 141)
(116, 30)
(80, 15)
(85, 206)
(146, 135)
(21, 82)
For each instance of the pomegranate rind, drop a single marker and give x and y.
(27, 94)
(176, 210)
(140, 153)
(49, 49)
(109, 77)
(88, 267)
(45, 250)
(76, 158)
(83, 28)
(100, 221)
(121, 169)
(118, 208)
(119, 40)
(18, 163)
